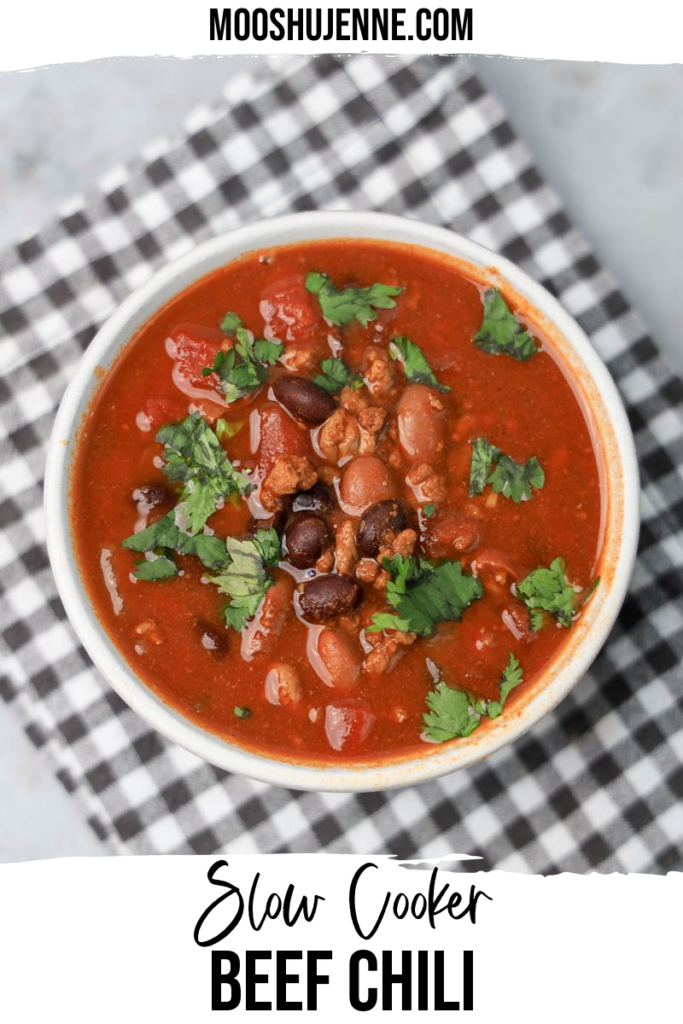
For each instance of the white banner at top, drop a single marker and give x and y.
(44, 33)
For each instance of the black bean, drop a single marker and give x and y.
(379, 524)
(149, 496)
(306, 537)
(325, 597)
(211, 640)
(304, 399)
(316, 499)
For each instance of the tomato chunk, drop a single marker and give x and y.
(275, 433)
(348, 724)
(289, 311)
(154, 414)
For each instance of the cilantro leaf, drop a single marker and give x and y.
(242, 369)
(165, 534)
(424, 595)
(451, 714)
(484, 454)
(335, 376)
(501, 331)
(547, 590)
(230, 323)
(194, 457)
(162, 534)
(245, 579)
(269, 544)
(341, 307)
(509, 478)
(515, 480)
(512, 676)
(416, 367)
(152, 569)
(267, 352)
(209, 549)
(454, 714)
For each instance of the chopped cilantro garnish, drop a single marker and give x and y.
(245, 579)
(230, 323)
(165, 534)
(428, 511)
(424, 595)
(509, 478)
(209, 549)
(242, 369)
(515, 480)
(512, 676)
(416, 367)
(547, 590)
(242, 712)
(161, 568)
(484, 454)
(501, 331)
(454, 714)
(162, 534)
(195, 457)
(335, 376)
(450, 715)
(341, 307)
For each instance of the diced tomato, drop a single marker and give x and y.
(155, 413)
(348, 725)
(193, 349)
(289, 312)
(275, 433)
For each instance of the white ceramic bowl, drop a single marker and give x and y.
(595, 390)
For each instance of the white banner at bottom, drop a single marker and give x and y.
(198, 938)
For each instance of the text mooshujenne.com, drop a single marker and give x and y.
(341, 24)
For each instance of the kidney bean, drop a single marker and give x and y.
(261, 634)
(421, 422)
(306, 537)
(316, 499)
(325, 597)
(340, 658)
(283, 685)
(379, 524)
(366, 481)
(304, 399)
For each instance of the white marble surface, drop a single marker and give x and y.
(608, 137)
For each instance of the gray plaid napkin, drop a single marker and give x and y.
(598, 783)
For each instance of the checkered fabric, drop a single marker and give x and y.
(597, 784)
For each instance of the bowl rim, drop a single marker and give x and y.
(622, 513)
